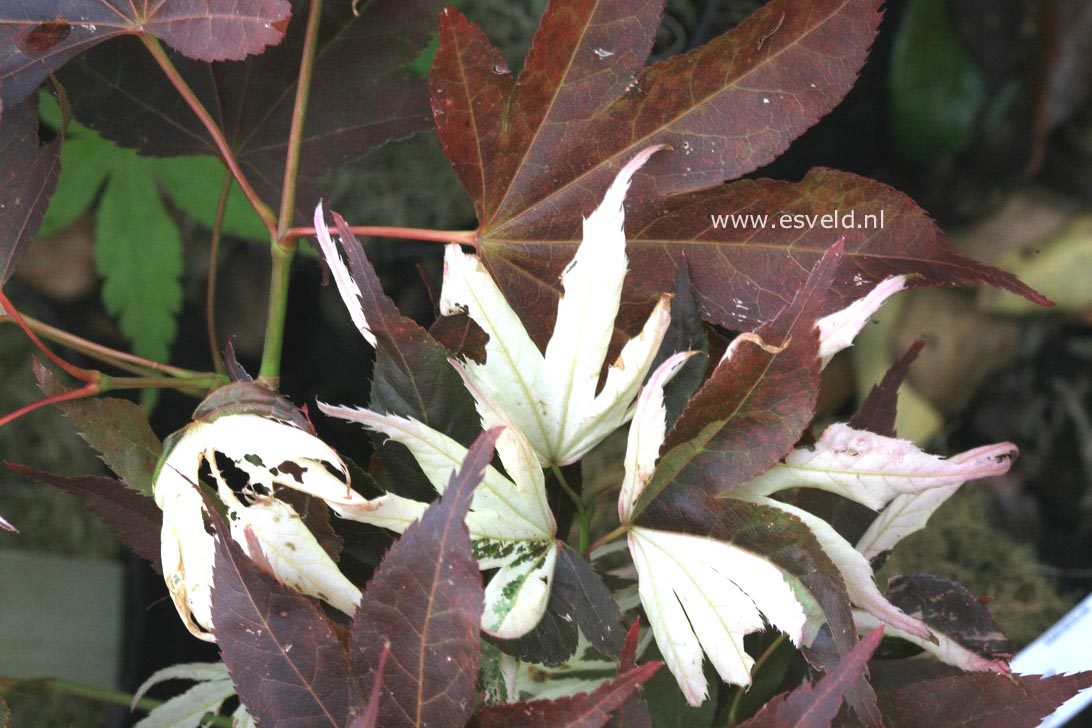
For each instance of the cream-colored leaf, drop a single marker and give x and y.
(838, 330)
(194, 671)
(872, 469)
(346, 286)
(724, 592)
(295, 556)
(613, 406)
(188, 709)
(906, 514)
(514, 372)
(592, 283)
(855, 570)
(646, 434)
(500, 510)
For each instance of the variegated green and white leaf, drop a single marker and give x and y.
(188, 709)
(838, 330)
(945, 648)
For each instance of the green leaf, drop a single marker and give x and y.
(937, 90)
(193, 184)
(668, 706)
(86, 162)
(138, 252)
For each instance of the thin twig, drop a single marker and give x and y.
(167, 66)
(214, 267)
(463, 237)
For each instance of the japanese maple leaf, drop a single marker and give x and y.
(533, 152)
(702, 594)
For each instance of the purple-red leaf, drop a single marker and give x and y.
(634, 712)
(116, 428)
(815, 706)
(412, 375)
(426, 601)
(952, 611)
(361, 97)
(588, 601)
(586, 710)
(758, 400)
(28, 176)
(535, 154)
(980, 700)
(370, 717)
(39, 36)
(877, 412)
(287, 664)
(135, 518)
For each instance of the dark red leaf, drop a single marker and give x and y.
(980, 700)
(586, 710)
(370, 717)
(116, 428)
(783, 540)
(751, 411)
(536, 154)
(39, 36)
(588, 601)
(361, 98)
(553, 640)
(877, 412)
(634, 712)
(815, 706)
(287, 664)
(28, 176)
(949, 609)
(426, 601)
(135, 518)
(412, 375)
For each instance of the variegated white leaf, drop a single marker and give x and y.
(516, 596)
(552, 397)
(510, 522)
(855, 570)
(838, 330)
(872, 469)
(293, 553)
(188, 709)
(346, 286)
(273, 454)
(705, 595)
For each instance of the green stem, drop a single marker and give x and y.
(283, 248)
(737, 699)
(270, 372)
(120, 359)
(111, 697)
(299, 118)
(167, 66)
(581, 511)
(214, 267)
(605, 539)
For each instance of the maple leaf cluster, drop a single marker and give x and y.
(598, 298)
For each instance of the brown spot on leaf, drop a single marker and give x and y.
(44, 36)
